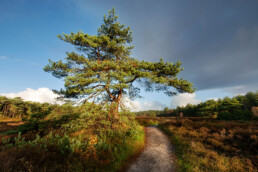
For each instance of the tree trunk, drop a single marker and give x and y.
(114, 110)
(114, 113)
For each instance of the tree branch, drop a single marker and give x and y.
(97, 86)
(84, 101)
(110, 94)
(132, 80)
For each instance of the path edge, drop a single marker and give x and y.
(134, 158)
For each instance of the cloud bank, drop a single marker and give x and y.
(184, 99)
(135, 105)
(40, 95)
(43, 95)
(240, 89)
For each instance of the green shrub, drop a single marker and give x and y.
(152, 114)
(235, 115)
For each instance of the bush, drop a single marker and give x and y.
(235, 115)
(152, 114)
(79, 136)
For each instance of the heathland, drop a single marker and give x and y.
(93, 131)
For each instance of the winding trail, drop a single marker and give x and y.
(157, 155)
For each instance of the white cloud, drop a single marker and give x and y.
(240, 89)
(135, 105)
(40, 95)
(18, 60)
(213, 98)
(183, 99)
(3, 57)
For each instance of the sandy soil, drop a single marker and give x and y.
(157, 156)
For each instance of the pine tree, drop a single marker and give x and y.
(106, 71)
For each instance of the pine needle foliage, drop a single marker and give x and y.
(102, 68)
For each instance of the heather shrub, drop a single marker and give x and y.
(213, 145)
(82, 134)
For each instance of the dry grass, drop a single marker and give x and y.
(37, 159)
(212, 145)
(9, 124)
(149, 121)
(99, 155)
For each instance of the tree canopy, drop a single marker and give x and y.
(235, 108)
(102, 68)
(17, 108)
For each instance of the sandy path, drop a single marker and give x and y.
(157, 156)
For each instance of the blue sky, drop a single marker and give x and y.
(216, 41)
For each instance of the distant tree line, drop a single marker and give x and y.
(17, 108)
(154, 113)
(151, 113)
(236, 108)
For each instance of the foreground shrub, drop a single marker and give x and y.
(78, 138)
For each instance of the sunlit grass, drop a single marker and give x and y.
(74, 145)
(211, 145)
